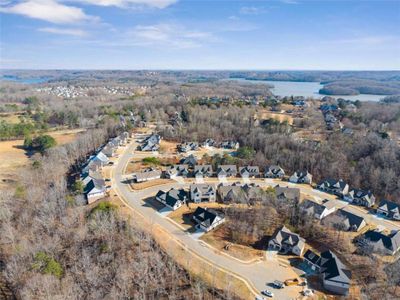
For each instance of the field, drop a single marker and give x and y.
(13, 156)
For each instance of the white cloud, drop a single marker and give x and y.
(252, 10)
(48, 10)
(64, 31)
(290, 1)
(129, 3)
(170, 35)
(366, 40)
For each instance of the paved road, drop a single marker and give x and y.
(258, 274)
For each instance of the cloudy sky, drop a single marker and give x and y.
(200, 34)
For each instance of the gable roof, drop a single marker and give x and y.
(382, 241)
(189, 160)
(351, 220)
(202, 189)
(251, 170)
(333, 184)
(203, 169)
(172, 196)
(287, 192)
(312, 207)
(274, 169)
(205, 216)
(333, 269)
(283, 235)
(227, 169)
(390, 207)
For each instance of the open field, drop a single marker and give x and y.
(150, 183)
(13, 156)
(281, 117)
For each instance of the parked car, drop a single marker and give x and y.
(267, 293)
(278, 284)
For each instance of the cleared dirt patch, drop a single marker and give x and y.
(217, 239)
(167, 147)
(150, 183)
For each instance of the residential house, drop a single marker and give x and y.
(249, 171)
(203, 193)
(335, 275)
(316, 210)
(387, 244)
(224, 171)
(230, 193)
(149, 146)
(124, 136)
(207, 219)
(274, 171)
(285, 241)
(332, 186)
(173, 199)
(177, 170)
(389, 209)
(346, 221)
(146, 175)
(209, 143)
(95, 189)
(301, 177)
(109, 150)
(189, 160)
(89, 175)
(361, 197)
(287, 193)
(230, 145)
(186, 147)
(201, 171)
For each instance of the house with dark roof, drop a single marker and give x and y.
(346, 221)
(274, 171)
(335, 187)
(177, 170)
(249, 172)
(317, 210)
(209, 143)
(190, 160)
(207, 219)
(287, 193)
(389, 209)
(95, 189)
(146, 175)
(360, 197)
(203, 193)
(284, 241)
(173, 199)
(224, 171)
(186, 147)
(301, 177)
(336, 277)
(201, 171)
(230, 193)
(387, 244)
(312, 260)
(230, 145)
(89, 175)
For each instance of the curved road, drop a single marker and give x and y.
(257, 273)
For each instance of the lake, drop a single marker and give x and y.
(31, 80)
(306, 89)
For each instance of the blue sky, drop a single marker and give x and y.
(194, 34)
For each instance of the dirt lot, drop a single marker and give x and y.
(216, 238)
(167, 147)
(13, 156)
(281, 117)
(150, 183)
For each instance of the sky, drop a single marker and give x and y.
(200, 34)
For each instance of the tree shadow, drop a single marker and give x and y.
(28, 153)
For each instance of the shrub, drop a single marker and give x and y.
(103, 207)
(46, 264)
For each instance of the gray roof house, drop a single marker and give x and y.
(148, 174)
(94, 190)
(207, 219)
(202, 193)
(224, 171)
(109, 150)
(230, 193)
(301, 177)
(89, 175)
(348, 221)
(209, 143)
(173, 198)
(201, 171)
(336, 276)
(316, 210)
(287, 193)
(190, 160)
(249, 171)
(230, 145)
(285, 241)
(274, 171)
(177, 170)
(186, 147)
(149, 146)
(387, 244)
(389, 209)
(332, 186)
(360, 197)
